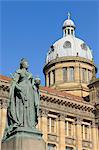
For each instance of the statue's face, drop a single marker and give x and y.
(25, 64)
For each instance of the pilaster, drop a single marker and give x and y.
(44, 114)
(95, 136)
(79, 133)
(61, 132)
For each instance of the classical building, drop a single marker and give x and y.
(69, 107)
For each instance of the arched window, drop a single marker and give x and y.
(64, 73)
(49, 78)
(89, 75)
(68, 31)
(71, 74)
(84, 75)
(67, 44)
(84, 46)
(53, 76)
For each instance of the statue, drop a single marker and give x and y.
(23, 104)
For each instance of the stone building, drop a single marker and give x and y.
(69, 107)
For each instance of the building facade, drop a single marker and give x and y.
(69, 103)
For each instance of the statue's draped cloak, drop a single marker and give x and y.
(23, 104)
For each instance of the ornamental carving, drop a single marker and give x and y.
(87, 144)
(52, 137)
(69, 140)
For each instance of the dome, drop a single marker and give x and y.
(68, 23)
(69, 46)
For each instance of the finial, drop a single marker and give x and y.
(68, 15)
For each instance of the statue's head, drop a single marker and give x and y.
(24, 63)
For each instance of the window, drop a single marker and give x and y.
(51, 147)
(84, 46)
(89, 75)
(71, 74)
(67, 44)
(49, 78)
(65, 32)
(64, 74)
(51, 125)
(86, 132)
(68, 31)
(53, 76)
(72, 32)
(83, 74)
(69, 148)
(69, 128)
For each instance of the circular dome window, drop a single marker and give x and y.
(84, 46)
(67, 44)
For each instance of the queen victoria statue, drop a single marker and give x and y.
(23, 104)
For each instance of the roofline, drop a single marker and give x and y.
(5, 78)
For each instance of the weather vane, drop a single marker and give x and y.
(68, 15)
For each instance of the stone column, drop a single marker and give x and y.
(62, 132)
(76, 73)
(95, 136)
(44, 114)
(79, 133)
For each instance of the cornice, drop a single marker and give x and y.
(67, 59)
(65, 101)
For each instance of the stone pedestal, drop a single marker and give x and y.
(23, 140)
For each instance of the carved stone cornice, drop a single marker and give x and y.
(65, 101)
(69, 107)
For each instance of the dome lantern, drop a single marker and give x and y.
(68, 26)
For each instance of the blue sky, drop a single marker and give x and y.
(29, 28)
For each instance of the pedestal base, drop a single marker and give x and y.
(20, 143)
(21, 139)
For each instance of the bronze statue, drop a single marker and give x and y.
(23, 104)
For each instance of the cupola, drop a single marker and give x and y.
(68, 26)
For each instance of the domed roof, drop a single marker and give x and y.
(68, 22)
(69, 46)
